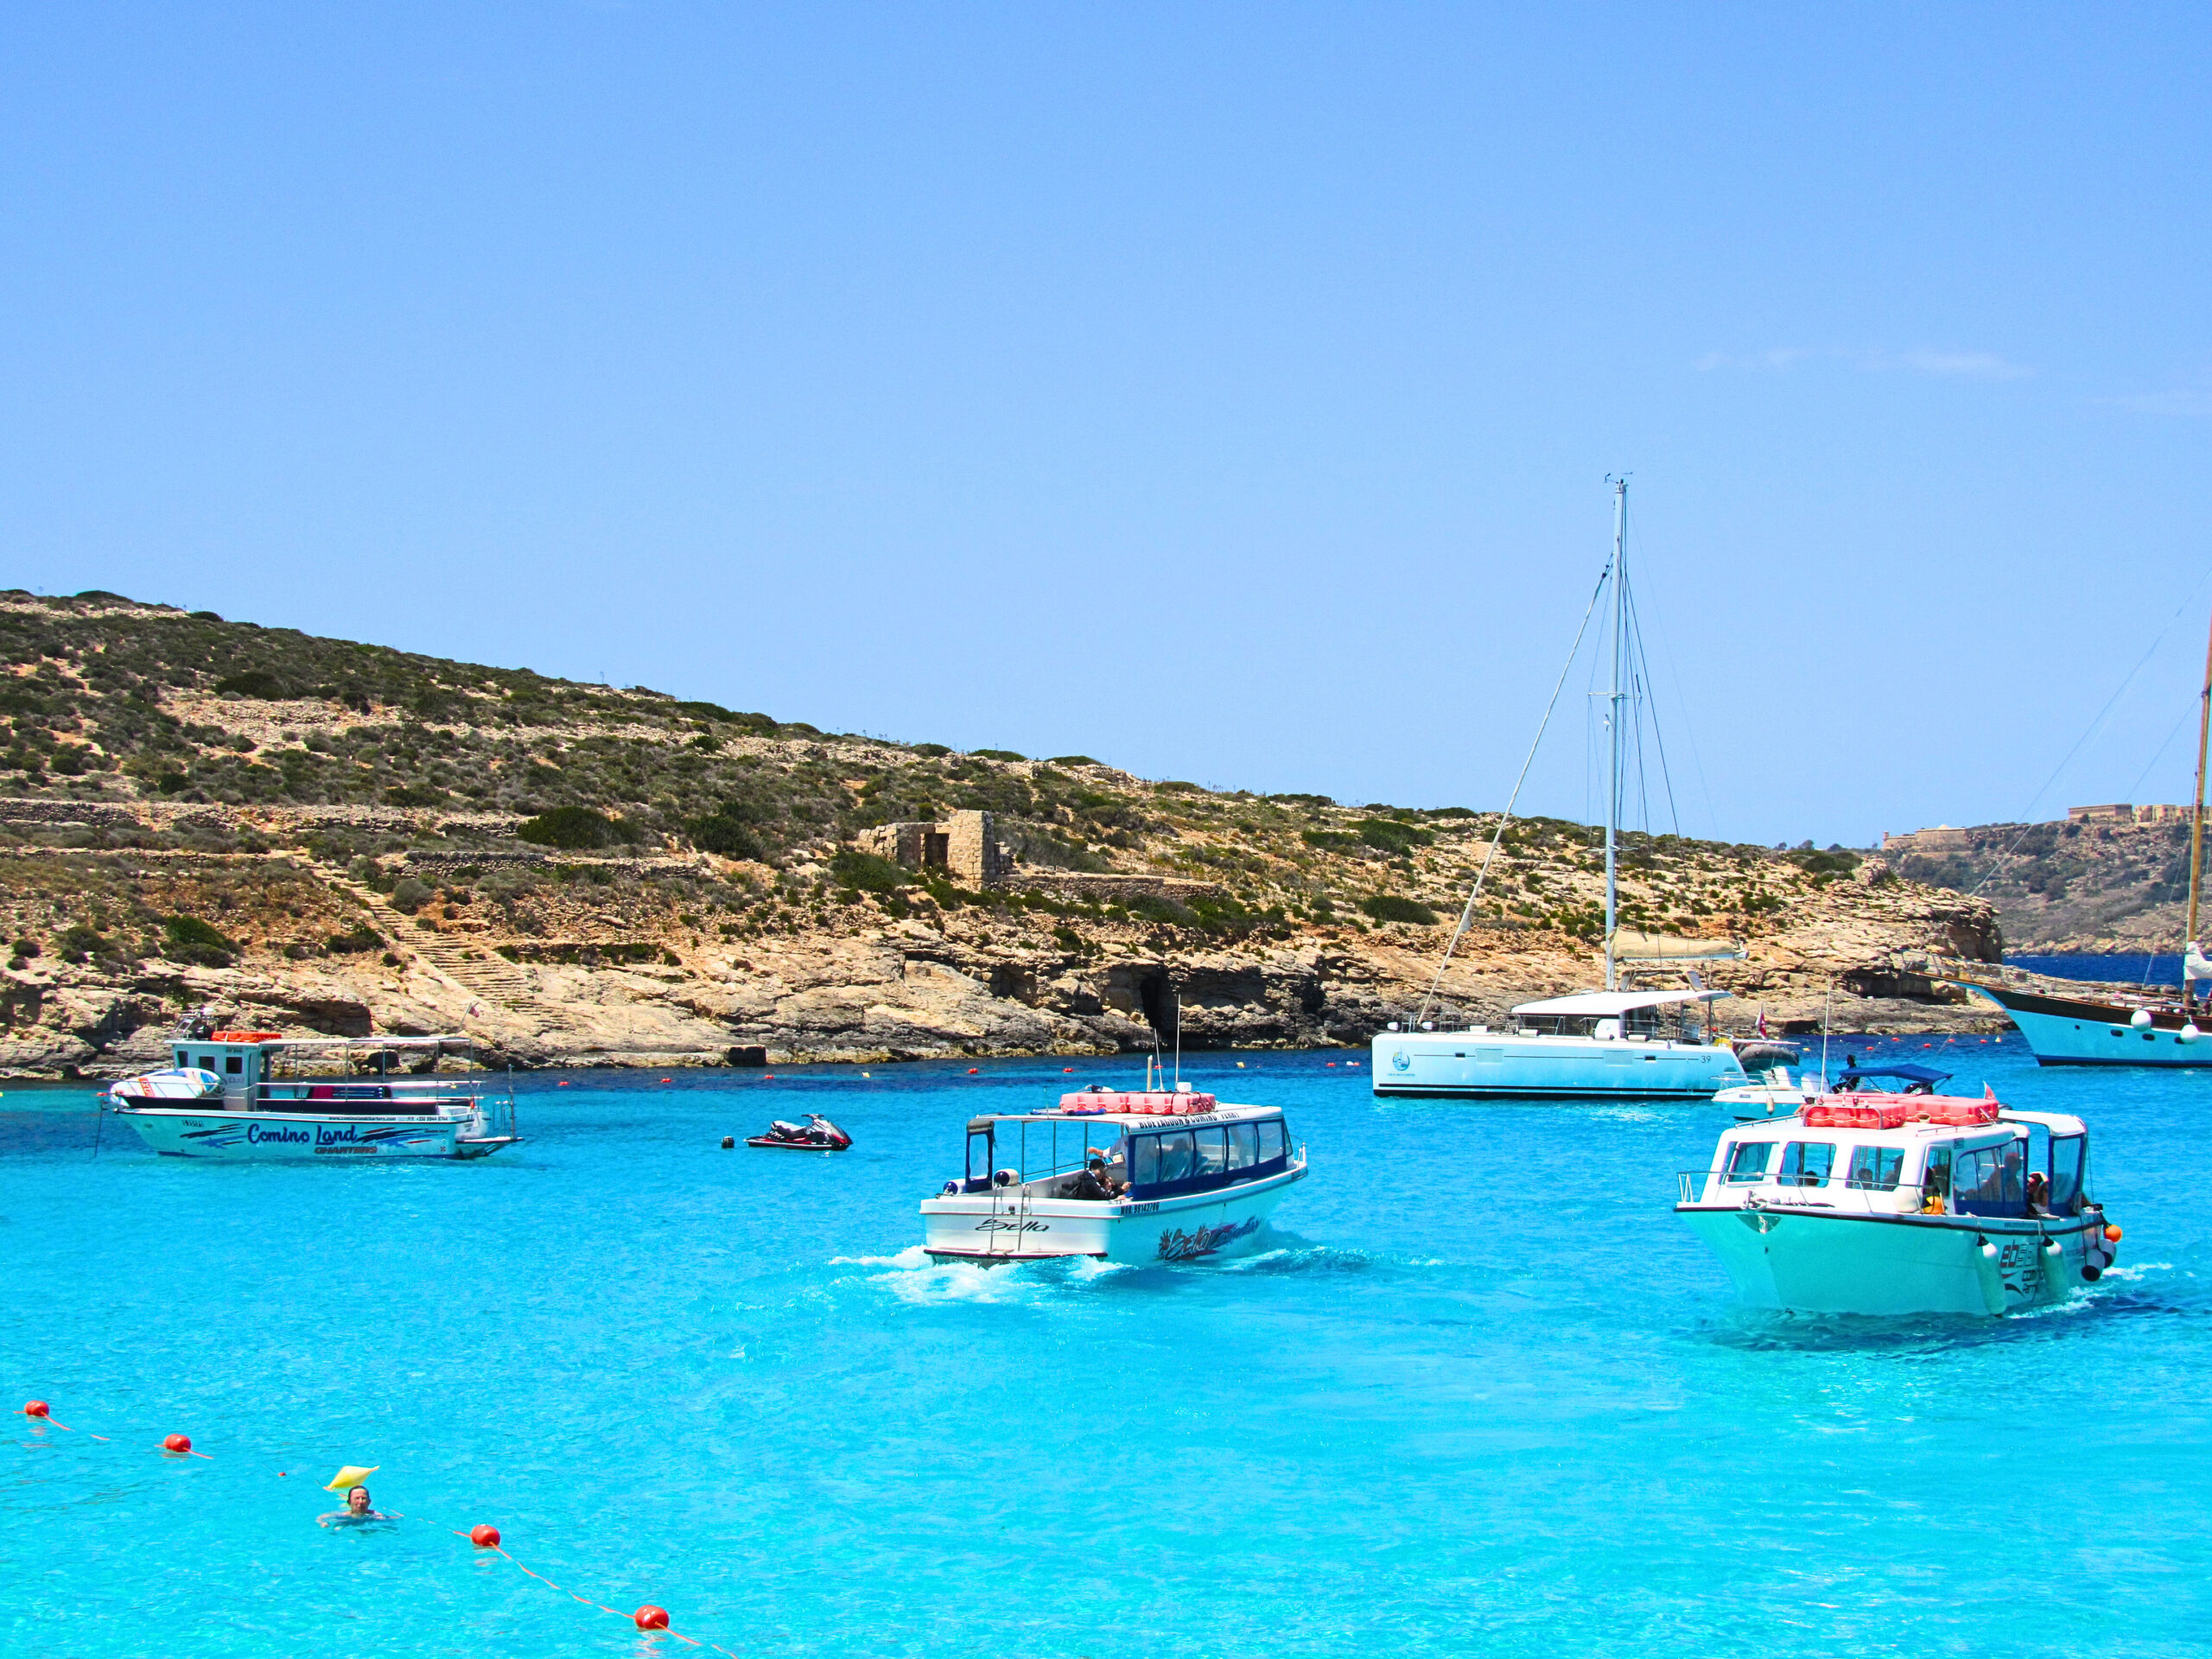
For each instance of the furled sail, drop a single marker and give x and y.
(1629, 945)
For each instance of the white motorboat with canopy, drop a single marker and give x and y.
(1621, 1041)
(1140, 1177)
(257, 1094)
(1901, 1204)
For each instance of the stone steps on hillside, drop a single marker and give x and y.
(490, 978)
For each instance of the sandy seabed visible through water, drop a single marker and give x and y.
(1479, 1392)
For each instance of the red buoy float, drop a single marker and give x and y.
(973, 1070)
(35, 1408)
(484, 1535)
(650, 1617)
(2114, 1234)
(180, 1444)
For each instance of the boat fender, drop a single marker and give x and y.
(1986, 1270)
(1005, 1177)
(2114, 1234)
(2091, 1272)
(2053, 1269)
(952, 1188)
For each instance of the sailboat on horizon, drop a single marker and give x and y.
(2145, 1030)
(1609, 1043)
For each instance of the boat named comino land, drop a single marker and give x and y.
(258, 1094)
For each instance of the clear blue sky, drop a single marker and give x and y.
(1226, 391)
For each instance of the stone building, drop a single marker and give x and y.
(964, 846)
(1942, 839)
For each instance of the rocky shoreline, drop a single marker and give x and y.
(861, 986)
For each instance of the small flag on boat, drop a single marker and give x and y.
(352, 1475)
(1762, 1022)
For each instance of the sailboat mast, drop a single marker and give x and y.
(1613, 728)
(2197, 821)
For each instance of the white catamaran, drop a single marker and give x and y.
(1608, 1043)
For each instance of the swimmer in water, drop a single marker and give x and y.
(356, 1513)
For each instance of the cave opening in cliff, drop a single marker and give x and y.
(1157, 998)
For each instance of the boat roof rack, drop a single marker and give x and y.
(1614, 1003)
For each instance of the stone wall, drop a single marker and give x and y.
(1112, 888)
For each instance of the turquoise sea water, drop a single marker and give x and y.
(1483, 1393)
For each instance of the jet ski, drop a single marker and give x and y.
(817, 1134)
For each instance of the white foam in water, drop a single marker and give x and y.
(912, 1256)
(2139, 1271)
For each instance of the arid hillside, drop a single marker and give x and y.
(2085, 887)
(342, 837)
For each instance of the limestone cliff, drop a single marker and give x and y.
(322, 836)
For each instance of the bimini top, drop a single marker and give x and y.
(1613, 1004)
(1926, 1076)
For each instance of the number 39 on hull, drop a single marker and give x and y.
(1123, 1178)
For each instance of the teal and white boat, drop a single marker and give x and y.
(1898, 1204)
(1610, 1043)
(258, 1094)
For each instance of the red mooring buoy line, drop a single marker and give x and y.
(484, 1535)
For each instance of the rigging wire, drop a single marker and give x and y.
(1658, 733)
(1467, 914)
(2086, 734)
(1681, 701)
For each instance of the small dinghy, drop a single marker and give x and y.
(817, 1134)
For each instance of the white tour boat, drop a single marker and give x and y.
(1887, 1205)
(1140, 1177)
(1598, 1044)
(259, 1094)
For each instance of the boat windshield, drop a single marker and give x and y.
(1670, 1022)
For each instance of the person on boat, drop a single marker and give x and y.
(2038, 1193)
(1088, 1183)
(358, 1511)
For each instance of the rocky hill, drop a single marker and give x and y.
(339, 837)
(2070, 887)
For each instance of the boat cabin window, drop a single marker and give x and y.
(2067, 1156)
(1936, 1186)
(1806, 1163)
(1243, 1145)
(1876, 1169)
(1747, 1164)
(1161, 1161)
(234, 1064)
(979, 1157)
(1213, 1152)
(1989, 1181)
